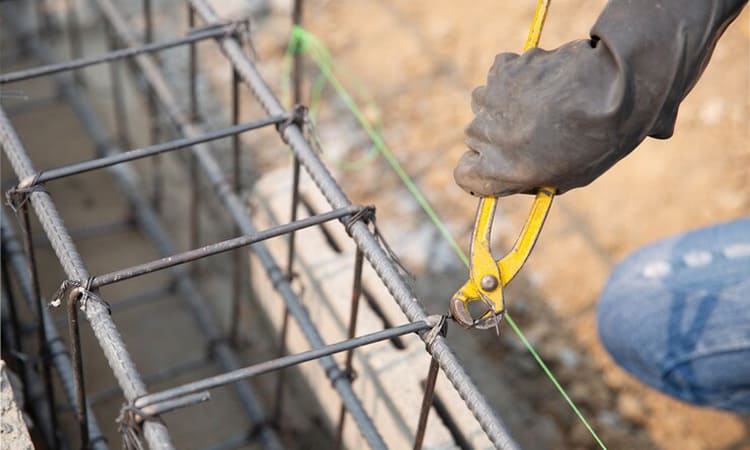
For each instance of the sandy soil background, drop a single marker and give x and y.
(417, 62)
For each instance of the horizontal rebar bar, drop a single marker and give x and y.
(104, 329)
(218, 247)
(154, 76)
(144, 215)
(383, 265)
(195, 35)
(107, 335)
(284, 362)
(132, 155)
(176, 403)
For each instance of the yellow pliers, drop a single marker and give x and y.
(487, 277)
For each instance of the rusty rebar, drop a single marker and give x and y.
(283, 362)
(192, 37)
(353, 314)
(33, 273)
(76, 356)
(296, 100)
(424, 412)
(237, 272)
(118, 97)
(383, 265)
(195, 197)
(216, 248)
(238, 211)
(145, 152)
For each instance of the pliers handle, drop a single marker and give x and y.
(487, 277)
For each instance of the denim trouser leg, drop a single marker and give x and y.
(676, 314)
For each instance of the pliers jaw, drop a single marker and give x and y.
(487, 277)
(489, 318)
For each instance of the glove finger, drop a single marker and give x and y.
(498, 66)
(472, 176)
(477, 99)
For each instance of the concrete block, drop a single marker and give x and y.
(388, 378)
(13, 432)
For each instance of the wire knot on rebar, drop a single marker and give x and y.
(300, 116)
(295, 117)
(129, 425)
(75, 291)
(439, 329)
(367, 215)
(239, 29)
(335, 373)
(17, 196)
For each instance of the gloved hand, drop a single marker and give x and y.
(561, 118)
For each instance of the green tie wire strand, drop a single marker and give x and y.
(305, 42)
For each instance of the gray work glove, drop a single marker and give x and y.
(561, 118)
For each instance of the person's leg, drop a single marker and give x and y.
(676, 314)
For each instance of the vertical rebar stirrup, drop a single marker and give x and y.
(296, 100)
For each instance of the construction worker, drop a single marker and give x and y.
(675, 314)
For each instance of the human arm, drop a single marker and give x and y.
(561, 118)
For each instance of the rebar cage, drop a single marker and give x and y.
(60, 365)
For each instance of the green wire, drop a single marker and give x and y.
(304, 41)
(317, 91)
(323, 59)
(552, 378)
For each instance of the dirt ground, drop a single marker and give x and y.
(418, 61)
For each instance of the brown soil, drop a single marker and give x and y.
(418, 62)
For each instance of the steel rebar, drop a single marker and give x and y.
(237, 265)
(366, 242)
(72, 24)
(353, 314)
(283, 362)
(378, 258)
(132, 155)
(191, 37)
(194, 206)
(157, 178)
(296, 100)
(239, 214)
(76, 356)
(42, 338)
(118, 97)
(14, 257)
(424, 412)
(146, 218)
(102, 325)
(104, 329)
(216, 248)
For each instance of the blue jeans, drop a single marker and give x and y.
(676, 315)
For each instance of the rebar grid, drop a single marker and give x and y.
(142, 409)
